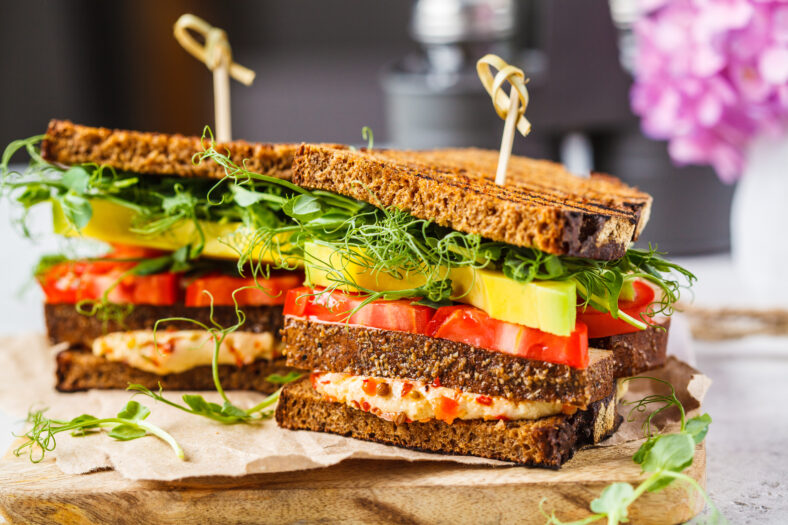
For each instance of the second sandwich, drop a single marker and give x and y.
(451, 315)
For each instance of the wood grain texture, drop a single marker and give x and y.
(352, 492)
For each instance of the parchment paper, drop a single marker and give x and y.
(213, 449)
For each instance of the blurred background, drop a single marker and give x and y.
(326, 69)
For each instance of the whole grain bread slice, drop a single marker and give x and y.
(546, 442)
(637, 352)
(542, 205)
(66, 325)
(359, 350)
(157, 153)
(79, 369)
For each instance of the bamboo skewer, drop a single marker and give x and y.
(216, 54)
(511, 108)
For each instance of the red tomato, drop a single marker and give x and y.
(74, 281)
(369, 386)
(447, 409)
(297, 301)
(484, 400)
(470, 325)
(334, 307)
(61, 283)
(602, 324)
(254, 293)
(71, 282)
(160, 289)
(406, 388)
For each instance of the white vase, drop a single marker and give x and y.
(759, 223)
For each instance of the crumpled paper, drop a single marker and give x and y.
(213, 449)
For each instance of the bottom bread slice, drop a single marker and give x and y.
(546, 442)
(82, 370)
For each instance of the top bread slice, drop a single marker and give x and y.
(158, 153)
(541, 205)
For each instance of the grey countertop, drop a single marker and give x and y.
(747, 444)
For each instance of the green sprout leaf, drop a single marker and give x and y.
(244, 197)
(670, 452)
(134, 411)
(284, 379)
(126, 432)
(76, 179)
(303, 207)
(77, 209)
(614, 501)
(697, 427)
(129, 424)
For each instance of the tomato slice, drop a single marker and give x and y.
(602, 324)
(465, 324)
(271, 291)
(334, 307)
(462, 323)
(71, 282)
(158, 289)
(74, 281)
(61, 283)
(296, 301)
(471, 325)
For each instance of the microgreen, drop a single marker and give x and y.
(664, 456)
(386, 241)
(130, 423)
(158, 203)
(366, 134)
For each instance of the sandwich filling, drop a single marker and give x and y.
(459, 323)
(406, 401)
(172, 352)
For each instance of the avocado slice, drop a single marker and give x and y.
(549, 306)
(112, 223)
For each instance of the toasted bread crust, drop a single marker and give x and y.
(541, 205)
(66, 325)
(546, 442)
(637, 352)
(157, 153)
(359, 350)
(81, 370)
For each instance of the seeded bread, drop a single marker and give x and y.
(358, 350)
(157, 153)
(637, 352)
(79, 369)
(546, 442)
(542, 205)
(66, 325)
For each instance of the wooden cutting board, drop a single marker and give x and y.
(358, 491)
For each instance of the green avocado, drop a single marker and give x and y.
(549, 306)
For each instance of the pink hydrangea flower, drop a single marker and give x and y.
(710, 75)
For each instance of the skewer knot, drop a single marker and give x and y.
(215, 52)
(494, 86)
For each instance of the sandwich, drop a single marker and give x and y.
(180, 280)
(447, 314)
